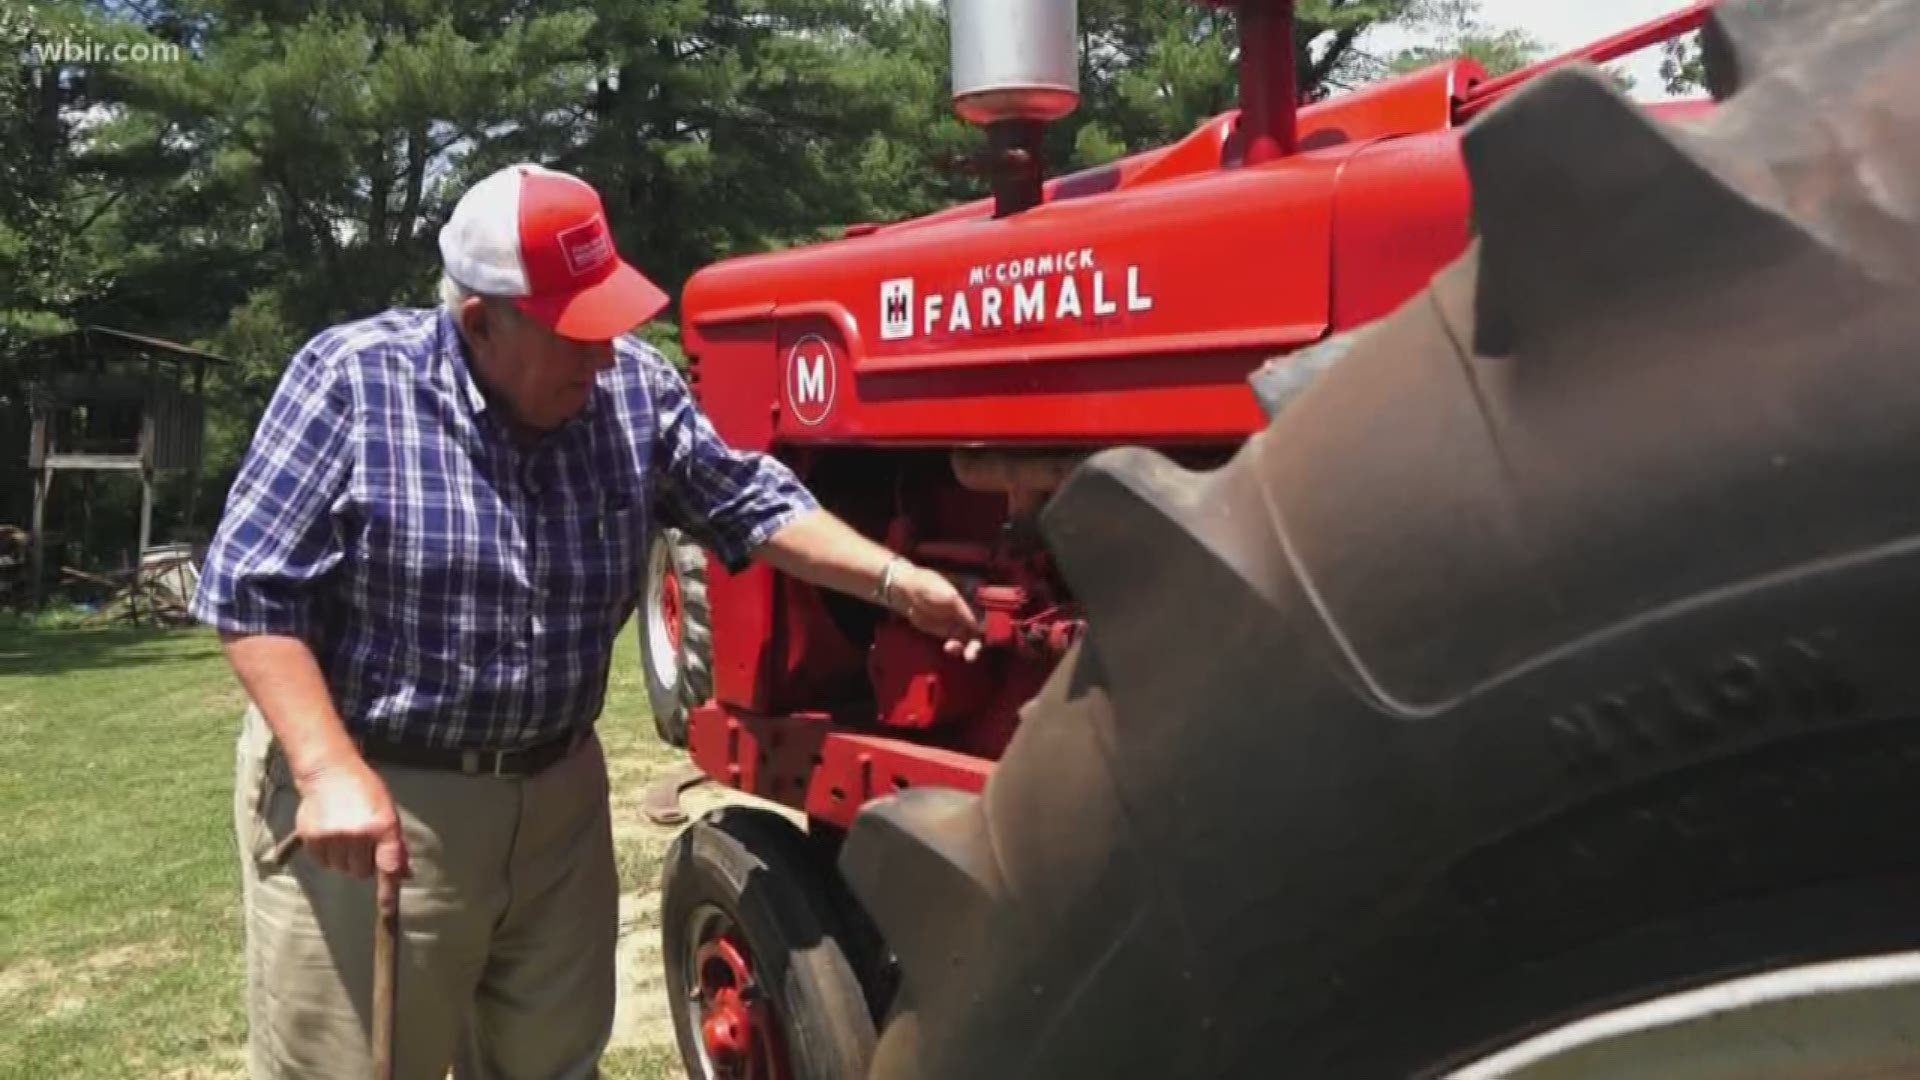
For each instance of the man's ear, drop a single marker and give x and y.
(476, 321)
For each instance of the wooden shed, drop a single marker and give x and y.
(110, 400)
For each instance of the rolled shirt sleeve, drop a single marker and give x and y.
(276, 539)
(731, 501)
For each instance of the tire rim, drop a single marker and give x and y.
(663, 616)
(1850, 1017)
(736, 1031)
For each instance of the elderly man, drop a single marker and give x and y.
(435, 536)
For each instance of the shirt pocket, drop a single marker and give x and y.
(599, 554)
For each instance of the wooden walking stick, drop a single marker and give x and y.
(386, 956)
(386, 962)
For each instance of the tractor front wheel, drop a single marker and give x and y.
(675, 633)
(759, 970)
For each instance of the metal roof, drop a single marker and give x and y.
(131, 338)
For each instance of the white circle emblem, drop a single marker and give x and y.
(811, 379)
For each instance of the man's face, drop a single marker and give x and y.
(541, 377)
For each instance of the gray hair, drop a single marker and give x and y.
(453, 294)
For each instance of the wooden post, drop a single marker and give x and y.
(42, 487)
(86, 510)
(199, 443)
(146, 533)
(37, 451)
(149, 434)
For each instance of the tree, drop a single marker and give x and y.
(44, 275)
(717, 127)
(1454, 28)
(329, 136)
(66, 193)
(1683, 65)
(1152, 70)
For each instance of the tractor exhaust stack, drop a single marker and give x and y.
(1269, 86)
(1016, 68)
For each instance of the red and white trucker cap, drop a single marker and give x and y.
(540, 237)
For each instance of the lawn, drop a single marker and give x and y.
(120, 932)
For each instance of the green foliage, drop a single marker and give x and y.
(1683, 65)
(1453, 28)
(1152, 70)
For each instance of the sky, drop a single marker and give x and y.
(1568, 24)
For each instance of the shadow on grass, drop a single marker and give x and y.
(40, 652)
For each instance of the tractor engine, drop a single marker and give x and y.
(1028, 621)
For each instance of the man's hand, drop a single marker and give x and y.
(347, 821)
(933, 605)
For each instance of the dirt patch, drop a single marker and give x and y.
(64, 1003)
(62, 989)
(226, 1065)
(641, 1019)
(138, 956)
(26, 977)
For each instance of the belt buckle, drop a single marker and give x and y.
(499, 759)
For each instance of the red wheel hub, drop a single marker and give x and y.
(737, 1023)
(670, 608)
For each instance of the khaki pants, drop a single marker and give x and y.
(507, 926)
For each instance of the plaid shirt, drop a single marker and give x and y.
(458, 589)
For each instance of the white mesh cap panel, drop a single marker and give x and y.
(480, 243)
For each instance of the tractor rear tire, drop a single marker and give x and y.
(748, 875)
(1558, 647)
(676, 633)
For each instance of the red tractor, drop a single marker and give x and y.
(936, 382)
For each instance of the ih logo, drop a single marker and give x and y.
(811, 379)
(896, 309)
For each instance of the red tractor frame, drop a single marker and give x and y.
(932, 381)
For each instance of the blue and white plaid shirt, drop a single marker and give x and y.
(458, 589)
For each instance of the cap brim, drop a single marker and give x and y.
(602, 311)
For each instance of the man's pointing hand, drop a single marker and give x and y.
(932, 603)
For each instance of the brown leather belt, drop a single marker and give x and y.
(517, 764)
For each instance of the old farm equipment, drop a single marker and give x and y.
(1530, 644)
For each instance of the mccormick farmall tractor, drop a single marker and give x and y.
(1450, 563)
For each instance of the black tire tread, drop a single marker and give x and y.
(671, 710)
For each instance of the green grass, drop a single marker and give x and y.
(120, 939)
(55, 616)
